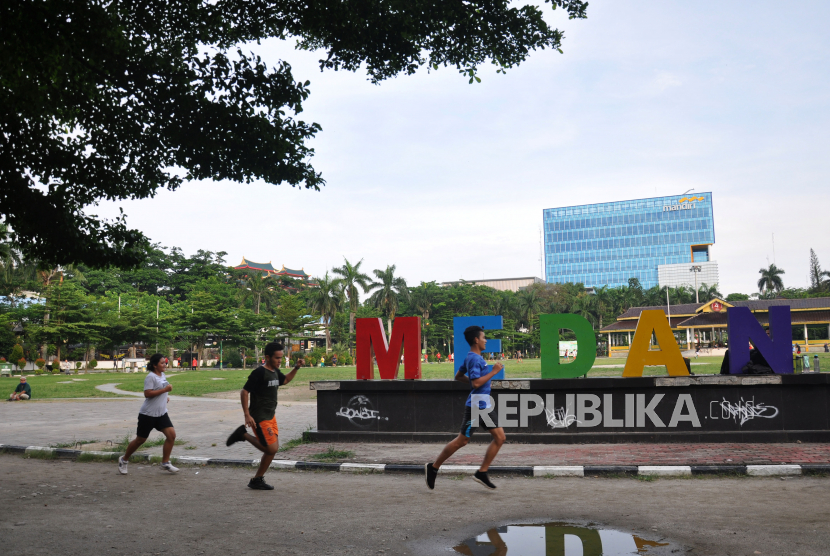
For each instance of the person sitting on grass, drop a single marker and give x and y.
(22, 392)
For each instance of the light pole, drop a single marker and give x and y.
(696, 269)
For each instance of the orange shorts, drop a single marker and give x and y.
(267, 431)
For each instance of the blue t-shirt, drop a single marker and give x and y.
(476, 367)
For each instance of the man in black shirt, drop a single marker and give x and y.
(261, 389)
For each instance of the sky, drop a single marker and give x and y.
(448, 180)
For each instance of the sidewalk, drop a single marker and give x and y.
(580, 454)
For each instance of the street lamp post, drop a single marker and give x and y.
(695, 269)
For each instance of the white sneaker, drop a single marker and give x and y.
(122, 465)
(169, 467)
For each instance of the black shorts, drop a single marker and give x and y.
(146, 424)
(467, 428)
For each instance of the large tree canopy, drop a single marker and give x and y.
(115, 99)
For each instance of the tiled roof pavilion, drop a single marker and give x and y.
(269, 268)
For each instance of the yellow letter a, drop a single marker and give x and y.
(669, 355)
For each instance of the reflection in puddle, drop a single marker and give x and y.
(554, 539)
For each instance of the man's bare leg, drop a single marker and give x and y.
(452, 447)
(493, 448)
(254, 441)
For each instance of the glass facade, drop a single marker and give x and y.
(608, 243)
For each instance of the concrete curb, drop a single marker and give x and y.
(526, 471)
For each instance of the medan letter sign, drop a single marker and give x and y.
(371, 340)
(776, 348)
(462, 348)
(742, 327)
(586, 345)
(639, 355)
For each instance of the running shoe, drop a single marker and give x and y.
(430, 473)
(122, 465)
(236, 436)
(169, 467)
(481, 477)
(258, 483)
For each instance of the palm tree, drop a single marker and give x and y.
(351, 278)
(708, 293)
(770, 279)
(602, 301)
(423, 297)
(259, 288)
(529, 305)
(326, 300)
(586, 306)
(389, 288)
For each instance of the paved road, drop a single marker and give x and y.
(71, 509)
(201, 421)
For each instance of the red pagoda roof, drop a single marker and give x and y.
(262, 267)
(289, 272)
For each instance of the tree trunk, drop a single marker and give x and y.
(328, 338)
(352, 316)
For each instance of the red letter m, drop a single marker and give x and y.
(371, 340)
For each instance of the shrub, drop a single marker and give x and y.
(185, 364)
(250, 361)
(17, 353)
(92, 363)
(233, 359)
(38, 372)
(77, 365)
(56, 369)
(21, 363)
(40, 362)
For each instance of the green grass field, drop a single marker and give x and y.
(208, 381)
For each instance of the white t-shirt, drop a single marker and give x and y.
(155, 407)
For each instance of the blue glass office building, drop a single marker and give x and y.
(608, 243)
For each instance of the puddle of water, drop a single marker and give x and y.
(555, 539)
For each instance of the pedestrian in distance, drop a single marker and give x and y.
(153, 415)
(473, 371)
(259, 406)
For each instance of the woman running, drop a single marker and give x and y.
(153, 415)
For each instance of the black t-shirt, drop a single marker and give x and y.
(262, 385)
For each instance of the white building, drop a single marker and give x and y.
(676, 275)
(503, 284)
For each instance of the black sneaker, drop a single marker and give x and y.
(481, 477)
(236, 436)
(258, 483)
(430, 473)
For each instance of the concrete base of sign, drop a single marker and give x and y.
(779, 408)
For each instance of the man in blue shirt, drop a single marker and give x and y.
(475, 369)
